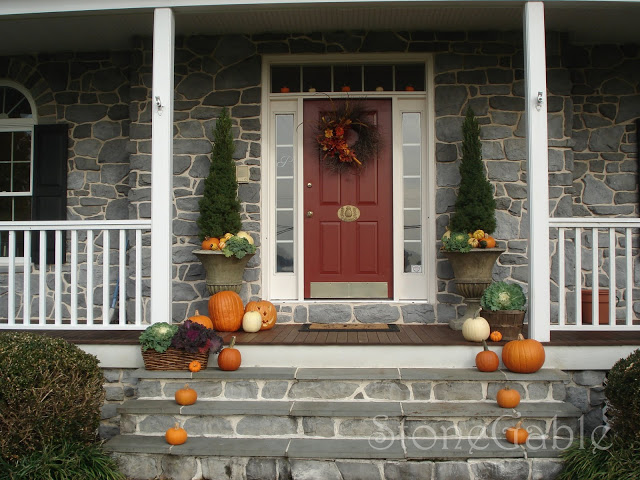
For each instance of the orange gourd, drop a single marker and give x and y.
(517, 434)
(202, 320)
(495, 336)
(267, 311)
(226, 311)
(487, 361)
(489, 241)
(508, 398)
(210, 243)
(176, 435)
(186, 395)
(229, 358)
(195, 366)
(523, 356)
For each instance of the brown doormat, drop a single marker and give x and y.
(349, 327)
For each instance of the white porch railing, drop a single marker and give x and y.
(66, 293)
(605, 246)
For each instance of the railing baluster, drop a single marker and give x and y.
(138, 277)
(612, 276)
(11, 299)
(122, 279)
(26, 279)
(578, 273)
(105, 276)
(595, 279)
(74, 277)
(629, 292)
(561, 282)
(42, 305)
(58, 278)
(89, 295)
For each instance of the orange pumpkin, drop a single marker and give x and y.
(210, 243)
(508, 398)
(489, 241)
(517, 434)
(195, 366)
(495, 336)
(523, 356)
(487, 361)
(226, 311)
(267, 312)
(202, 320)
(229, 358)
(176, 435)
(186, 395)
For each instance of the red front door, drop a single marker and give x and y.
(348, 259)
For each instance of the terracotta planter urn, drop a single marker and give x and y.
(473, 274)
(223, 273)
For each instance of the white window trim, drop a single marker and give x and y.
(280, 287)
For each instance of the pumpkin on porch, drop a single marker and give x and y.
(176, 435)
(487, 361)
(229, 358)
(475, 329)
(267, 311)
(226, 311)
(186, 395)
(202, 320)
(251, 322)
(516, 434)
(523, 356)
(508, 398)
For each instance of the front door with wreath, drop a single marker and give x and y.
(348, 178)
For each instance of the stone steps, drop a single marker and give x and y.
(351, 423)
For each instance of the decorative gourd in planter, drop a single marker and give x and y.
(229, 358)
(176, 435)
(202, 320)
(475, 329)
(503, 307)
(517, 434)
(267, 312)
(252, 322)
(523, 356)
(186, 395)
(487, 361)
(210, 243)
(226, 311)
(508, 398)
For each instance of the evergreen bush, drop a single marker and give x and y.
(622, 390)
(475, 207)
(50, 391)
(219, 205)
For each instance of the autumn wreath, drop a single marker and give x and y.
(346, 137)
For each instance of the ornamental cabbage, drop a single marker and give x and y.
(503, 296)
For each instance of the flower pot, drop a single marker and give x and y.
(223, 273)
(173, 359)
(603, 307)
(508, 322)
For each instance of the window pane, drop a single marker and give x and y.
(317, 77)
(378, 76)
(285, 77)
(411, 159)
(347, 76)
(412, 257)
(21, 177)
(5, 177)
(284, 258)
(284, 225)
(412, 225)
(14, 104)
(6, 209)
(284, 194)
(5, 146)
(412, 197)
(284, 161)
(284, 129)
(410, 77)
(22, 208)
(22, 147)
(411, 128)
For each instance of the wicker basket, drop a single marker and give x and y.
(507, 322)
(172, 359)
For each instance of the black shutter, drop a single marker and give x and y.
(49, 201)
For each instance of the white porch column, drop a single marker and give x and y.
(537, 169)
(162, 165)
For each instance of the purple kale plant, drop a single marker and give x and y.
(193, 338)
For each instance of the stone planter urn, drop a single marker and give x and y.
(223, 273)
(472, 271)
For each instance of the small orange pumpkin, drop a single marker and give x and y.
(210, 243)
(186, 395)
(487, 361)
(226, 311)
(508, 398)
(517, 434)
(229, 358)
(267, 311)
(195, 366)
(523, 356)
(176, 435)
(489, 241)
(202, 320)
(495, 336)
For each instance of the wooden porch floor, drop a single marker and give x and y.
(407, 335)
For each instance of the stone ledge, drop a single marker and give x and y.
(344, 448)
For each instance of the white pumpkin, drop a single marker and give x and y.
(243, 234)
(476, 329)
(252, 322)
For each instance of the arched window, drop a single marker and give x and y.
(17, 122)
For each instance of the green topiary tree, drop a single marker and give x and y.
(622, 390)
(475, 205)
(50, 391)
(219, 205)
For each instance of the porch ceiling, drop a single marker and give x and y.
(586, 22)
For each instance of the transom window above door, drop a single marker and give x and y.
(348, 78)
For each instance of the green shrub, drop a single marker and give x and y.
(611, 459)
(65, 461)
(622, 390)
(50, 391)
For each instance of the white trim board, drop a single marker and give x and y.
(358, 356)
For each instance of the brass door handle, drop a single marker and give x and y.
(309, 214)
